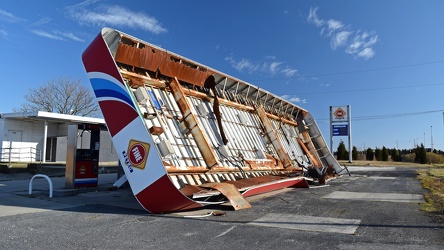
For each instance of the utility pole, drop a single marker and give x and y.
(431, 138)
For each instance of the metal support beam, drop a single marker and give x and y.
(45, 135)
(308, 153)
(192, 124)
(271, 133)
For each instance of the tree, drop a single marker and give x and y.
(342, 152)
(62, 96)
(384, 154)
(355, 154)
(395, 155)
(369, 155)
(421, 154)
(378, 154)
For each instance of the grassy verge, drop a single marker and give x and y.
(433, 180)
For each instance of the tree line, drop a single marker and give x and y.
(418, 154)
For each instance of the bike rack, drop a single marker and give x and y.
(43, 176)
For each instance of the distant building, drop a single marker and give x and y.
(42, 137)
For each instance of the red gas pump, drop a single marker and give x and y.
(82, 166)
(87, 160)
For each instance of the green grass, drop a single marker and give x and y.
(433, 180)
(437, 172)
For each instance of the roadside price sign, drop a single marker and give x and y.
(340, 130)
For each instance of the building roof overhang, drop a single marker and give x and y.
(53, 117)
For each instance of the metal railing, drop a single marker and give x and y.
(24, 154)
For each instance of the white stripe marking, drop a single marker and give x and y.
(392, 197)
(308, 223)
(370, 169)
(227, 231)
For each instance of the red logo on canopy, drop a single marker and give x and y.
(339, 113)
(138, 153)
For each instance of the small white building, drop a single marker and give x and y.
(42, 137)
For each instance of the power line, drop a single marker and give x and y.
(350, 72)
(375, 69)
(374, 117)
(371, 89)
(388, 116)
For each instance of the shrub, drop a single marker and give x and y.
(433, 158)
(355, 154)
(378, 154)
(421, 155)
(342, 152)
(395, 155)
(369, 155)
(384, 154)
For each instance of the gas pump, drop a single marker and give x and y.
(82, 157)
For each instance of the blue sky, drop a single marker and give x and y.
(383, 58)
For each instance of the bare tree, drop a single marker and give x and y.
(62, 96)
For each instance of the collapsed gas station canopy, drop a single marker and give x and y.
(189, 135)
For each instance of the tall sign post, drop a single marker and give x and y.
(340, 125)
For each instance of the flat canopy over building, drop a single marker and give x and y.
(40, 136)
(53, 117)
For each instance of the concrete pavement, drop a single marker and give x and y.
(15, 197)
(370, 212)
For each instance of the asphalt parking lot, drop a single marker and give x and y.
(374, 208)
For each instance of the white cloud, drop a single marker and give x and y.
(41, 21)
(57, 35)
(313, 17)
(334, 25)
(37, 28)
(294, 99)
(72, 37)
(3, 34)
(289, 72)
(269, 66)
(47, 35)
(88, 13)
(241, 65)
(9, 17)
(339, 39)
(356, 43)
(274, 67)
(366, 53)
(362, 45)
